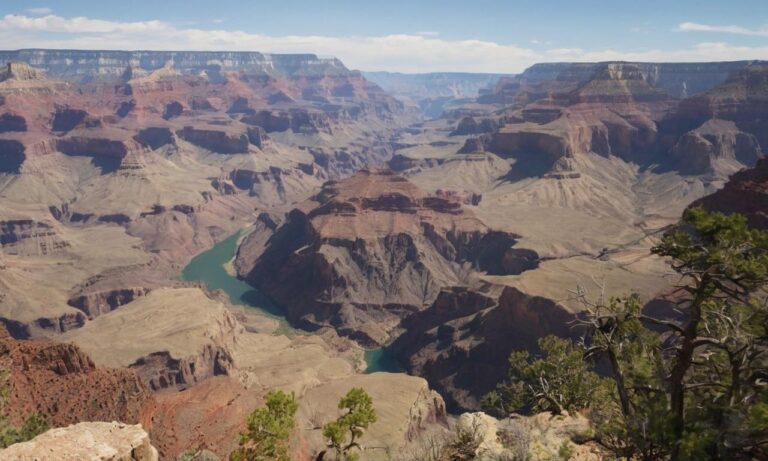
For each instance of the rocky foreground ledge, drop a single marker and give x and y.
(86, 441)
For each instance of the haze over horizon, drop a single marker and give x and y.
(486, 36)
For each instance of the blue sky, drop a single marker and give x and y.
(410, 36)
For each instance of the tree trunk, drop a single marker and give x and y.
(683, 363)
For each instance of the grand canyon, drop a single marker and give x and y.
(182, 232)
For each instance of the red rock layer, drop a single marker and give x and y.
(61, 383)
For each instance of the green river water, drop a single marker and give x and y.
(209, 267)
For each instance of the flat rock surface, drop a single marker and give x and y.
(178, 321)
(91, 441)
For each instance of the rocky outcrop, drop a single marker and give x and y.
(29, 237)
(86, 441)
(161, 371)
(249, 179)
(468, 125)
(612, 113)
(296, 120)
(106, 153)
(462, 342)
(370, 250)
(218, 141)
(745, 193)
(257, 136)
(95, 303)
(166, 353)
(43, 326)
(18, 71)
(60, 382)
(698, 151)
(279, 97)
(538, 437)
(475, 145)
(12, 156)
(722, 129)
(617, 83)
(400, 162)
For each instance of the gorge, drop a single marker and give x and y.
(194, 229)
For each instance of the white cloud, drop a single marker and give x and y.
(51, 23)
(217, 21)
(738, 30)
(397, 52)
(39, 10)
(428, 33)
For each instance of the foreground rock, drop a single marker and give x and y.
(89, 441)
(370, 250)
(539, 437)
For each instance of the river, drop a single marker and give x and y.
(210, 267)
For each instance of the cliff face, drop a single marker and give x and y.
(97, 65)
(745, 193)
(627, 110)
(613, 113)
(61, 382)
(679, 80)
(461, 343)
(167, 354)
(370, 250)
(724, 124)
(115, 106)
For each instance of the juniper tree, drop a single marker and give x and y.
(268, 430)
(344, 433)
(692, 384)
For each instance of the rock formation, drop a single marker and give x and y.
(61, 383)
(18, 71)
(370, 250)
(723, 128)
(613, 113)
(215, 140)
(169, 355)
(623, 110)
(86, 441)
(461, 343)
(745, 193)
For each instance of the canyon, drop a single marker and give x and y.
(440, 220)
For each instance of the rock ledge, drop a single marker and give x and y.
(86, 441)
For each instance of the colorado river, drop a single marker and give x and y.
(209, 267)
